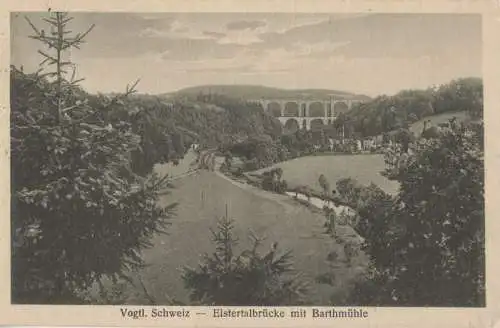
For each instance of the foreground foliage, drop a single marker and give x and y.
(79, 210)
(247, 279)
(429, 239)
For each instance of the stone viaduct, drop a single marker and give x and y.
(295, 114)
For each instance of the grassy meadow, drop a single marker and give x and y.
(364, 168)
(202, 199)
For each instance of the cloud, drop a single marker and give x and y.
(215, 35)
(414, 35)
(242, 38)
(385, 35)
(245, 25)
(189, 49)
(228, 69)
(306, 34)
(150, 32)
(376, 52)
(321, 50)
(170, 28)
(179, 27)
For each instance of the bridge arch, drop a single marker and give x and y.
(291, 109)
(317, 124)
(340, 107)
(316, 109)
(291, 125)
(274, 109)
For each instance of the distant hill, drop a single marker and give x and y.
(258, 92)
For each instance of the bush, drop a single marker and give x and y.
(331, 221)
(272, 181)
(351, 250)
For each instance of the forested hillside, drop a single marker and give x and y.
(238, 120)
(387, 113)
(208, 120)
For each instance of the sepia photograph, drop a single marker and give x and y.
(247, 159)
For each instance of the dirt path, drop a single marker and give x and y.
(288, 205)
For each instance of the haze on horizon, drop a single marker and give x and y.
(368, 54)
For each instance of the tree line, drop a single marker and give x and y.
(388, 113)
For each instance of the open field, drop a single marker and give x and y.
(202, 199)
(364, 168)
(306, 170)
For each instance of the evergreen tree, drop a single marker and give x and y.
(79, 212)
(247, 279)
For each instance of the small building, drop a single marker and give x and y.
(331, 144)
(368, 143)
(359, 145)
(378, 140)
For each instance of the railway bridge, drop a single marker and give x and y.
(308, 114)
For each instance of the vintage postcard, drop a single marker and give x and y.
(225, 164)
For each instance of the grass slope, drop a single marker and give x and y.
(202, 199)
(306, 170)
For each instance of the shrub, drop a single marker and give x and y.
(272, 181)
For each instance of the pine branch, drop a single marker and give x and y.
(33, 26)
(47, 74)
(65, 21)
(77, 81)
(43, 62)
(131, 90)
(87, 32)
(150, 298)
(49, 57)
(50, 21)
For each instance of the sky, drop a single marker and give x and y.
(370, 54)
